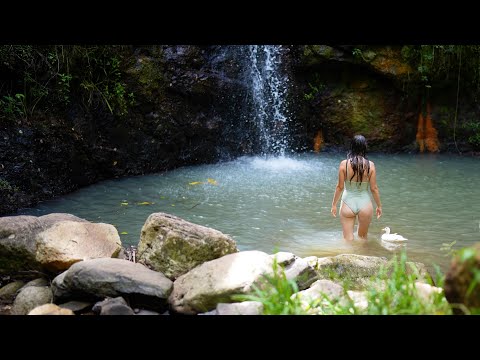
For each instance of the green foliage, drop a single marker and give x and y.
(467, 256)
(47, 78)
(316, 86)
(6, 186)
(13, 106)
(473, 128)
(395, 293)
(276, 294)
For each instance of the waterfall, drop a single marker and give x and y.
(268, 90)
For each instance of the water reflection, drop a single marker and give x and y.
(284, 203)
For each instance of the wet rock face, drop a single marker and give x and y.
(182, 102)
(346, 90)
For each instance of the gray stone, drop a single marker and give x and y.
(76, 306)
(38, 282)
(146, 312)
(213, 312)
(18, 240)
(9, 291)
(296, 269)
(312, 261)
(29, 298)
(359, 298)
(284, 258)
(426, 291)
(108, 277)
(321, 289)
(18, 243)
(51, 219)
(113, 306)
(174, 246)
(301, 272)
(215, 281)
(67, 242)
(50, 309)
(241, 308)
(356, 270)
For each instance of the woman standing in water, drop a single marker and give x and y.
(355, 175)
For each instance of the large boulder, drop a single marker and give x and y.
(100, 278)
(461, 282)
(356, 270)
(19, 237)
(215, 281)
(68, 242)
(174, 246)
(18, 243)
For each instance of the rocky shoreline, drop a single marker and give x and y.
(59, 264)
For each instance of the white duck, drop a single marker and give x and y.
(391, 237)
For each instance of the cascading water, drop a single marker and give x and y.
(269, 88)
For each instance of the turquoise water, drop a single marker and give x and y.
(284, 203)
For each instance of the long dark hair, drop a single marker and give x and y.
(358, 157)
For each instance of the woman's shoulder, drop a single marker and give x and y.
(372, 164)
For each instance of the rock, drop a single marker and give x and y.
(460, 276)
(426, 291)
(38, 282)
(18, 243)
(9, 291)
(113, 306)
(320, 289)
(76, 306)
(18, 240)
(51, 219)
(146, 312)
(421, 271)
(302, 273)
(215, 281)
(359, 298)
(68, 242)
(30, 297)
(296, 269)
(174, 246)
(99, 278)
(312, 261)
(241, 308)
(357, 270)
(284, 258)
(213, 312)
(50, 309)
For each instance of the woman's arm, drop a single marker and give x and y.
(339, 187)
(374, 188)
